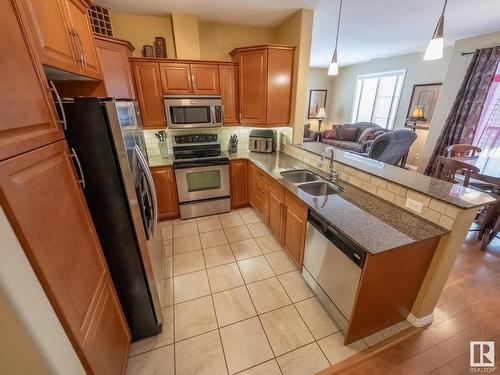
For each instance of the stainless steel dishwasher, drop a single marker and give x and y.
(332, 268)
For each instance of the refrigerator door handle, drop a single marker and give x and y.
(74, 156)
(62, 121)
(149, 178)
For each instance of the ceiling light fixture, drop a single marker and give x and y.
(333, 70)
(434, 49)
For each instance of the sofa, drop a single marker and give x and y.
(351, 137)
(370, 140)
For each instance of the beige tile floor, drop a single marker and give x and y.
(235, 303)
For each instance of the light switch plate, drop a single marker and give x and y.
(414, 205)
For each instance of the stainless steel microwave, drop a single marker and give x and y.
(188, 111)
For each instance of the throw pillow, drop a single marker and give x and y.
(330, 134)
(378, 133)
(345, 133)
(307, 128)
(367, 135)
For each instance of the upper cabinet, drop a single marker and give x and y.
(228, 85)
(113, 55)
(149, 93)
(62, 33)
(265, 84)
(175, 78)
(205, 79)
(29, 120)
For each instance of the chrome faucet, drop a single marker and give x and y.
(332, 175)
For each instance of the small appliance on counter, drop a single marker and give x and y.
(233, 144)
(162, 142)
(262, 140)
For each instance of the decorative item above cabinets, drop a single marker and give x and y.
(62, 33)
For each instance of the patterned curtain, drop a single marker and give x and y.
(461, 124)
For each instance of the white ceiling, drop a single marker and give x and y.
(369, 28)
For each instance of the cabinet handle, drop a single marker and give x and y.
(84, 58)
(79, 48)
(81, 180)
(62, 121)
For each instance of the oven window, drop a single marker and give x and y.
(205, 180)
(190, 115)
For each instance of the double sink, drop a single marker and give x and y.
(311, 183)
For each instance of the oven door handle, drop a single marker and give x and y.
(149, 178)
(205, 164)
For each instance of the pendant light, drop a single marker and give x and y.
(333, 70)
(434, 49)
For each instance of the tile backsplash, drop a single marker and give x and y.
(284, 135)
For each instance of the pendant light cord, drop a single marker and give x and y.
(444, 7)
(338, 25)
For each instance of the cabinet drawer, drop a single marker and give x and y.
(277, 189)
(299, 206)
(263, 176)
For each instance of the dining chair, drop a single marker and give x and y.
(462, 149)
(447, 168)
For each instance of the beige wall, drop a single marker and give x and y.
(217, 39)
(452, 82)
(140, 30)
(319, 80)
(33, 340)
(297, 31)
(186, 36)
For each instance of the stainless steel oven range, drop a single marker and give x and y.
(201, 174)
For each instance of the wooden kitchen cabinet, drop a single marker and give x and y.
(261, 193)
(276, 208)
(265, 84)
(166, 192)
(46, 207)
(295, 225)
(175, 78)
(113, 55)
(205, 79)
(62, 34)
(29, 120)
(228, 74)
(149, 93)
(238, 170)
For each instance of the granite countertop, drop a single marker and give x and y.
(454, 194)
(372, 223)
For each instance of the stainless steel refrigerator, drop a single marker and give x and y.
(106, 141)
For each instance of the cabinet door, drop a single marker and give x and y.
(115, 68)
(50, 29)
(276, 214)
(45, 205)
(175, 78)
(229, 93)
(294, 233)
(205, 79)
(261, 193)
(166, 192)
(279, 90)
(149, 94)
(253, 87)
(239, 185)
(77, 13)
(28, 115)
(107, 343)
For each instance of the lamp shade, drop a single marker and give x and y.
(321, 113)
(418, 113)
(333, 70)
(434, 50)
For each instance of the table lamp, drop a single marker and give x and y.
(321, 116)
(417, 115)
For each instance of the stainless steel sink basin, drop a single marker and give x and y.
(299, 176)
(320, 188)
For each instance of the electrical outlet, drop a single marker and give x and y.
(417, 156)
(414, 205)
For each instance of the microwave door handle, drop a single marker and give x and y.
(212, 113)
(149, 179)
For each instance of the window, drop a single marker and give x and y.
(377, 97)
(488, 131)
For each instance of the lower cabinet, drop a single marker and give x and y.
(166, 192)
(238, 170)
(45, 205)
(295, 225)
(276, 209)
(106, 345)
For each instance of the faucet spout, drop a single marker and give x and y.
(332, 174)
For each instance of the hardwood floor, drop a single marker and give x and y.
(469, 309)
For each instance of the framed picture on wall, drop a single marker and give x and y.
(424, 96)
(317, 100)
